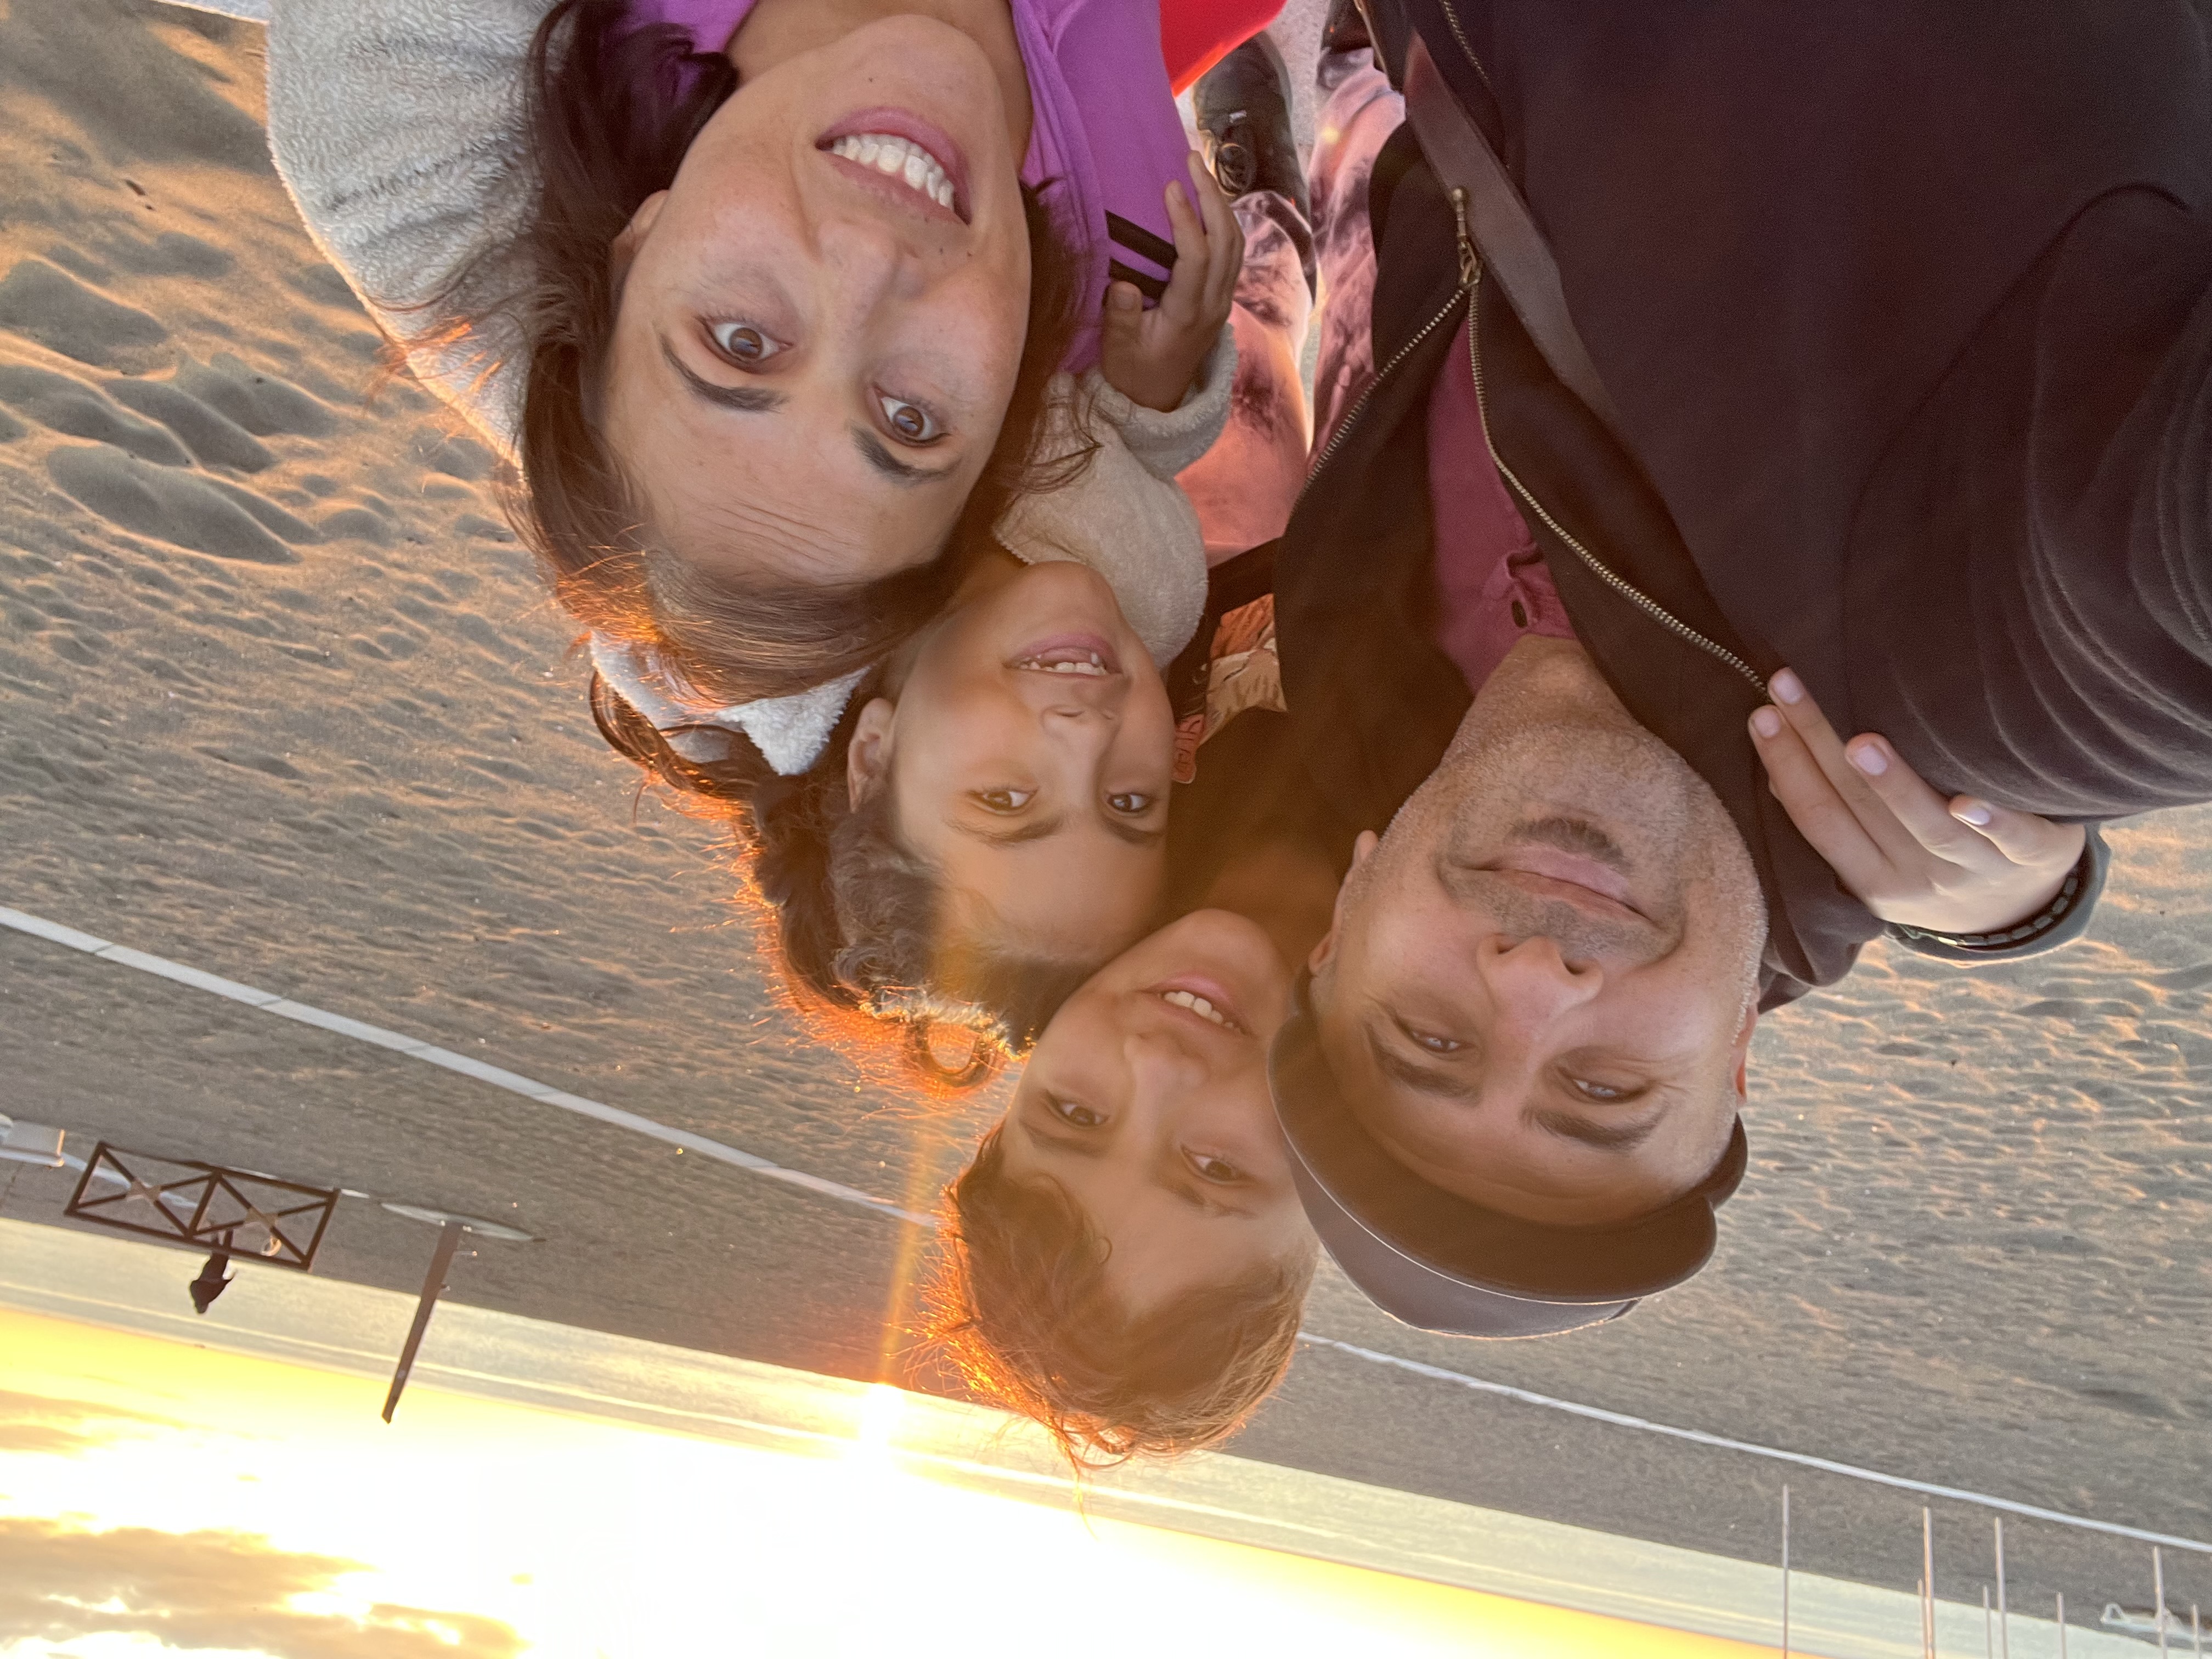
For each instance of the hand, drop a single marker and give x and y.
(1964, 865)
(1150, 357)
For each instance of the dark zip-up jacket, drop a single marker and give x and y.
(1904, 312)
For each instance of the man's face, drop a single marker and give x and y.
(1537, 994)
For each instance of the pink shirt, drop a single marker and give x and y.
(1104, 140)
(1492, 585)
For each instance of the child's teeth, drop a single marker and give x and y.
(1198, 1005)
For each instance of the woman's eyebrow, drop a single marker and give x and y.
(873, 453)
(749, 399)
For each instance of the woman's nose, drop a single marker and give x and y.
(870, 259)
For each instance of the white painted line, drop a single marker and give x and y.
(514, 1082)
(416, 1049)
(1622, 1420)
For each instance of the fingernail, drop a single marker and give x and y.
(1766, 722)
(1870, 760)
(1785, 687)
(1973, 812)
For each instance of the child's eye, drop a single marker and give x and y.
(910, 423)
(1131, 803)
(1218, 1171)
(1004, 801)
(1068, 1111)
(743, 344)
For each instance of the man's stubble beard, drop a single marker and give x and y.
(1554, 744)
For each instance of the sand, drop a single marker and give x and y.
(280, 697)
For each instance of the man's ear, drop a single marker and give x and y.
(1362, 850)
(632, 237)
(868, 758)
(1742, 1052)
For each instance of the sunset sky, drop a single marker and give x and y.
(156, 1496)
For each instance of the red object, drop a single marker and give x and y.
(1196, 35)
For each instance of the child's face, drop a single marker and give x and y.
(811, 359)
(1040, 795)
(1158, 1121)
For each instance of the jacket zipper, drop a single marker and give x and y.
(1604, 572)
(1359, 404)
(1458, 33)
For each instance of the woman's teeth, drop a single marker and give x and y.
(898, 158)
(1199, 1006)
(1089, 663)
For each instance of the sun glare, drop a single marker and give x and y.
(470, 1528)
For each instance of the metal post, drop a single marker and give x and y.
(1927, 1584)
(434, 1285)
(2062, 1625)
(2196, 1633)
(2158, 1596)
(1988, 1629)
(2004, 1622)
(1785, 1572)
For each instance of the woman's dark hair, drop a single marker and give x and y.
(613, 107)
(1020, 1309)
(857, 921)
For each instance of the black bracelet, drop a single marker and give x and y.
(2005, 938)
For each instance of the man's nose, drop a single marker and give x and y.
(1531, 983)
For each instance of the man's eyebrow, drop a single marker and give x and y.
(1428, 1080)
(1607, 1137)
(873, 453)
(1041, 830)
(749, 399)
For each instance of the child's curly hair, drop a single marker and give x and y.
(1020, 1309)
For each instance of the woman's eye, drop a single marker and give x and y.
(910, 423)
(1434, 1044)
(743, 344)
(1004, 801)
(1131, 803)
(1081, 1117)
(1219, 1171)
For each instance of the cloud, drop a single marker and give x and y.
(41, 1423)
(211, 1590)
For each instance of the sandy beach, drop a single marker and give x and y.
(281, 698)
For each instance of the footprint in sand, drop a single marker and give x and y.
(204, 514)
(44, 302)
(70, 406)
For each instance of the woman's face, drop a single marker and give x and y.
(1029, 757)
(811, 356)
(1154, 1113)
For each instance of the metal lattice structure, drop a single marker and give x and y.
(203, 1205)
